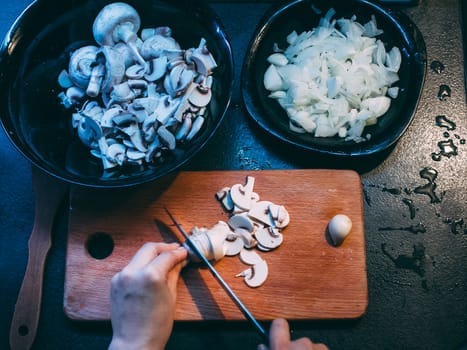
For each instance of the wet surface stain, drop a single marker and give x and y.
(457, 226)
(415, 229)
(443, 122)
(429, 189)
(437, 66)
(444, 92)
(415, 262)
(447, 148)
(409, 203)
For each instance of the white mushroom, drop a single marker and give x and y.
(233, 246)
(242, 195)
(339, 227)
(118, 22)
(203, 59)
(248, 240)
(259, 211)
(267, 240)
(224, 197)
(81, 65)
(250, 257)
(257, 275)
(241, 221)
(148, 106)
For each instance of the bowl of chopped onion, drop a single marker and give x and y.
(334, 77)
(109, 94)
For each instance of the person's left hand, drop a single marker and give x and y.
(143, 297)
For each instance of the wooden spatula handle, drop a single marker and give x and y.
(48, 193)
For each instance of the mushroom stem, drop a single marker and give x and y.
(97, 75)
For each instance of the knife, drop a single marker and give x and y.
(248, 315)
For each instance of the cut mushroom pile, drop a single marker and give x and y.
(253, 223)
(136, 96)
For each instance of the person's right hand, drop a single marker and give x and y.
(279, 339)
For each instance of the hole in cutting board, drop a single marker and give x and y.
(100, 245)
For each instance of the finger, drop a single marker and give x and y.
(147, 253)
(320, 346)
(166, 262)
(279, 336)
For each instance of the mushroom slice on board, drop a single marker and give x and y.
(257, 276)
(267, 240)
(260, 212)
(249, 257)
(279, 215)
(233, 246)
(242, 195)
(241, 221)
(248, 240)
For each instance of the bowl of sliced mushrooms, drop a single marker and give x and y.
(340, 78)
(114, 94)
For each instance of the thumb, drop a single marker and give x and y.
(279, 336)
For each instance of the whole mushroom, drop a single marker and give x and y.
(118, 22)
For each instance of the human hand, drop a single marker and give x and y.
(279, 339)
(143, 297)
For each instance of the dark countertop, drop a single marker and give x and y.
(417, 281)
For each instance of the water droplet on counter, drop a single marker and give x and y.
(462, 141)
(429, 174)
(437, 67)
(444, 92)
(394, 191)
(443, 122)
(446, 134)
(447, 149)
(411, 206)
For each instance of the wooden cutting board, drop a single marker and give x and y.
(308, 277)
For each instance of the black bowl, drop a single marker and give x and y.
(301, 15)
(37, 48)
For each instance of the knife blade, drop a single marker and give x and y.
(248, 315)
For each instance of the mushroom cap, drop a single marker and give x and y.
(80, 65)
(110, 18)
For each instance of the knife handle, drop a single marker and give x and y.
(48, 194)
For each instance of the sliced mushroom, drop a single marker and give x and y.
(279, 215)
(248, 240)
(195, 128)
(241, 221)
(250, 257)
(242, 194)
(166, 95)
(267, 240)
(203, 59)
(260, 211)
(258, 275)
(233, 246)
(224, 197)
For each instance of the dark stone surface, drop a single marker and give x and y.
(416, 259)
